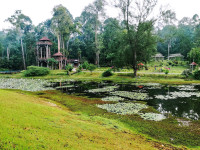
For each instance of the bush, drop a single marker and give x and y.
(85, 65)
(165, 70)
(80, 67)
(68, 68)
(197, 74)
(107, 73)
(36, 71)
(187, 73)
(91, 67)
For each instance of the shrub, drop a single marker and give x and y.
(187, 73)
(36, 71)
(197, 74)
(68, 68)
(91, 67)
(80, 68)
(85, 65)
(165, 70)
(107, 73)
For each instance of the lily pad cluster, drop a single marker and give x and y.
(152, 116)
(24, 84)
(104, 89)
(131, 108)
(113, 99)
(186, 88)
(174, 95)
(65, 86)
(131, 95)
(123, 108)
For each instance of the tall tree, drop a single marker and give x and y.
(138, 26)
(62, 25)
(96, 10)
(22, 23)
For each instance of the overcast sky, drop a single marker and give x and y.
(40, 10)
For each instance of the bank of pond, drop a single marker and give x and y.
(165, 112)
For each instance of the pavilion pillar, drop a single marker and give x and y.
(41, 52)
(37, 56)
(47, 52)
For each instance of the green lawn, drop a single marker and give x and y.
(117, 77)
(29, 122)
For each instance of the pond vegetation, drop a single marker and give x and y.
(135, 104)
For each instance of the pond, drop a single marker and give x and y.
(177, 100)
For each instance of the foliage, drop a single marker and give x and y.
(68, 68)
(107, 73)
(196, 74)
(166, 70)
(36, 71)
(52, 62)
(91, 67)
(194, 55)
(80, 68)
(62, 25)
(85, 65)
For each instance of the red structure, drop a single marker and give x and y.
(43, 51)
(62, 61)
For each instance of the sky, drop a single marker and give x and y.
(40, 10)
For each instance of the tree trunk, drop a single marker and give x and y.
(58, 36)
(8, 54)
(131, 41)
(96, 41)
(23, 54)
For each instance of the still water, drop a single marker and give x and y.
(177, 100)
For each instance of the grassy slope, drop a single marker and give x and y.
(165, 130)
(29, 122)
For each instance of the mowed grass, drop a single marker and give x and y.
(117, 77)
(29, 122)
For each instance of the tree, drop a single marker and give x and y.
(62, 25)
(138, 26)
(96, 10)
(194, 55)
(91, 67)
(22, 23)
(79, 54)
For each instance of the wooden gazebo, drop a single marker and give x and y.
(43, 51)
(62, 61)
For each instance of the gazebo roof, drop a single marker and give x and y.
(193, 64)
(176, 55)
(44, 39)
(158, 55)
(140, 64)
(57, 54)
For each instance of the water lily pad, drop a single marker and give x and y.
(25, 84)
(153, 116)
(113, 98)
(102, 90)
(131, 95)
(123, 108)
